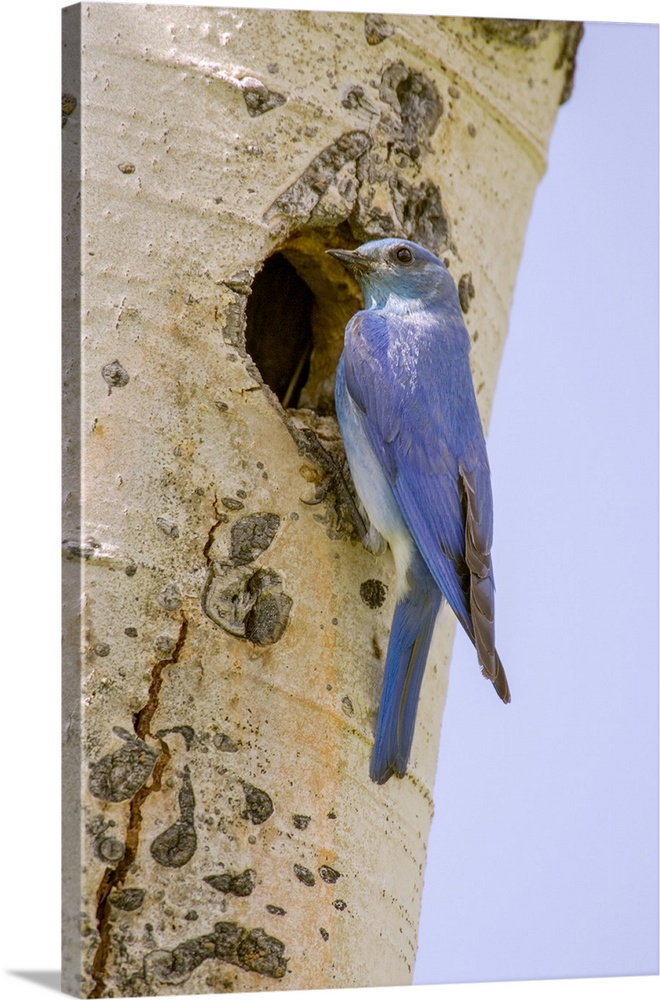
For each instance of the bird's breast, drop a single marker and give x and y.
(371, 483)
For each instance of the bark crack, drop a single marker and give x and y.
(221, 518)
(114, 877)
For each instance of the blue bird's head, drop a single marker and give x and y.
(398, 273)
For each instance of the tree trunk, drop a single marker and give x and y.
(224, 640)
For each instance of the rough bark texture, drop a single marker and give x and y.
(224, 641)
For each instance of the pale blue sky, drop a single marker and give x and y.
(543, 857)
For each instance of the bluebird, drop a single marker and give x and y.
(415, 447)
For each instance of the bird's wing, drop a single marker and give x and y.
(438, 473)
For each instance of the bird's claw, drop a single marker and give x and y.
(320, 493)
(334, 480)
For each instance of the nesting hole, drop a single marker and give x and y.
(278, 333)
(296, 312)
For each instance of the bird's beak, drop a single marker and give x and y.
(351, 259)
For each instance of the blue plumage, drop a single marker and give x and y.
(409, 419)
(408, 648)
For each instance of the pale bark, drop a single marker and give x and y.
(205, 742)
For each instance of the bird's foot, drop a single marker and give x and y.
(334, 482)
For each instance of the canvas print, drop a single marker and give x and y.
(291, 245)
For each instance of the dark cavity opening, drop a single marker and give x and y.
(278, 333)
(296, 312)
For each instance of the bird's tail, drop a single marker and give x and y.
(410, 638)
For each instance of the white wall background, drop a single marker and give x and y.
(543, 855)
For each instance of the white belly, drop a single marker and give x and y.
(373, 488)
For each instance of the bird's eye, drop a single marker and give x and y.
(404, 255)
